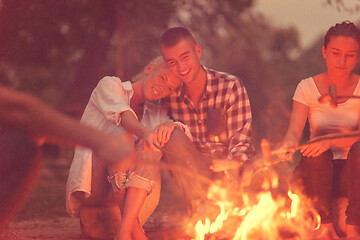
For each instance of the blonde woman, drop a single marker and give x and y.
(117, 107)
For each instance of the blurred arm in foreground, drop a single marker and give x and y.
(25, 112)
(25, 120)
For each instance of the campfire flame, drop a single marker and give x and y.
(262, 215)
(201, 229)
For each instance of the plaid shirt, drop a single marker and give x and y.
(227, 94)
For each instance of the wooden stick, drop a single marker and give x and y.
(191, 172)
(318, 139)
(266, 151)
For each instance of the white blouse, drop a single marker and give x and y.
(323, 118)
(110, 98)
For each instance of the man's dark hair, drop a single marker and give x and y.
(173, 35)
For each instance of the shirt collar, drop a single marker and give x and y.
(211, 85)
(211, 80)
(151, 106)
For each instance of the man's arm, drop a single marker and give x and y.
(239, 124)
(38, 119)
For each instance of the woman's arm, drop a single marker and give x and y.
(314, 147)
(297, 122)
(133, 125)
(336, 139)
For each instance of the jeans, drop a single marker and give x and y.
(180, 151)
(324, 178)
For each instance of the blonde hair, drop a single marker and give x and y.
(155, 63)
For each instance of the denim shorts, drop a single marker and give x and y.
(121, 180)
(142, 176)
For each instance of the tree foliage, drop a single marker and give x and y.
(60, 49)
(343, 5)
(45, 42)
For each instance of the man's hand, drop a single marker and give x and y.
(163, 132)
(150, 141)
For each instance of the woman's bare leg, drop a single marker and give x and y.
(129, 226)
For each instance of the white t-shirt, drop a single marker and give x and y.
(323, 118)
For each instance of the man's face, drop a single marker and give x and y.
(183, 59)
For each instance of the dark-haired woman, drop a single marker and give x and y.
(331, 168)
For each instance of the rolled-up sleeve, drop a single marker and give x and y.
(112, 99)
(239, 124)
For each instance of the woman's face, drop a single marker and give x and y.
(341, 54)
(159, 83)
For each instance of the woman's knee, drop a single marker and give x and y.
(312, 167)
(320, 161)
(354, 151)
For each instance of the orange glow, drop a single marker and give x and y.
(262, 215)
(219, 194)
(294, 205)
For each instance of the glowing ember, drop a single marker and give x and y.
(294, 205)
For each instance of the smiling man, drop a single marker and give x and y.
(215, 107)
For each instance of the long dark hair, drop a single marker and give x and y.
(346, 29)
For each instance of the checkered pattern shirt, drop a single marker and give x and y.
(225, 92)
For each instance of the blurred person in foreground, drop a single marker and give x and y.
(215, 107)
(25, 123)
(330, 168)
(125, 107)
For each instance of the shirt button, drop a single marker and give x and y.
(199, 121)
